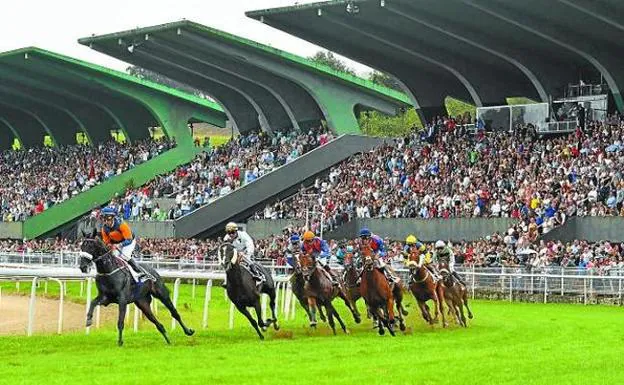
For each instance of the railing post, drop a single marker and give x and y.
(545, 288)
(231, 323)
(510, 288)
(88, 301)
(193, 289)
(585, 290)
(619, 289)
(473, 281)
(207, 298)
(31, 307)
(176, 294)
(562, 281)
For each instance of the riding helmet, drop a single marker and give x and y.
(308, 236)
(108, 212)
(231, 227)
(411, 240)
(365, 232)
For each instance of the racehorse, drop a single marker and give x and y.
(378, 294)
(242, 290)
(115, 284)
(297, 282)
(350, 277)
(455, 295)
(320, 293)
(424, 288)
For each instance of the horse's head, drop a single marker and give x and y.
(308, 265)
(368, 257)
(413, 257)
(445, 272)
(227, 256)
(91, 250)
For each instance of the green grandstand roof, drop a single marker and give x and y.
(114, 74)
(319, 68)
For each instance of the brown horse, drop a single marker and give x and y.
(378, 293)
(455, 295)
(320, 293)
(424, 288)
(350, 277)
(297, 283)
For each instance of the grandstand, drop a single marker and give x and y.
(44, 93)
(442, 48)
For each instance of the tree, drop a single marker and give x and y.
(383, 79)
(155, 77)
(329, 59)
(377, 124)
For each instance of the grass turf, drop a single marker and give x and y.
(505, 344)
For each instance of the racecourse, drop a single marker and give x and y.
(506, 343)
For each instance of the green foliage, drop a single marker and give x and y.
(383, 79)
(155, 77)
(329, 59)
(506, 343)
(375, 123)
(519, 100)
(456, 107)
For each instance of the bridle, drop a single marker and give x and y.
(93, 259)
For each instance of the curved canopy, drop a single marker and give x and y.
(259, 86)
(480, 51)
(44, 93)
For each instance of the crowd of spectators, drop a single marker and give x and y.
(541, 181)
(217, 172)
(35, 179)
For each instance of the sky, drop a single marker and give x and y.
(56, 25)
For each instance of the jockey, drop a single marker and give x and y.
(377, 245)
(293, 248)
(444, 255)
(118, 235)
(319, 249)
(243, 243)
(424, 258)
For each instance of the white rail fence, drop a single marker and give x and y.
(36, 276)
(510, 283)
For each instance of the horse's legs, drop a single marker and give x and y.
(312, 305)
(440, 306)
(261, 322)
(330, 317)
(398, 297)
(340, 321)
(162, 294)
(465, 298)
(350, 305)
(252, 321)
(145, 308)
(96, 302)
(399, 307)
(271, 295)
(121, 319)
(423, 310)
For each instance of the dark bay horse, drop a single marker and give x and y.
(116, 285)
(350, 277)
(424, 288)
(297, 282)
(321, 292)
(455, 295)
(242, 290)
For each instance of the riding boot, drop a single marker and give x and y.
(140, 270)
(434, 272)
(334, 280)
(459, 278)
(257, 275)
(389, 276)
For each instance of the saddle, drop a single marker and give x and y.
(254, 269)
